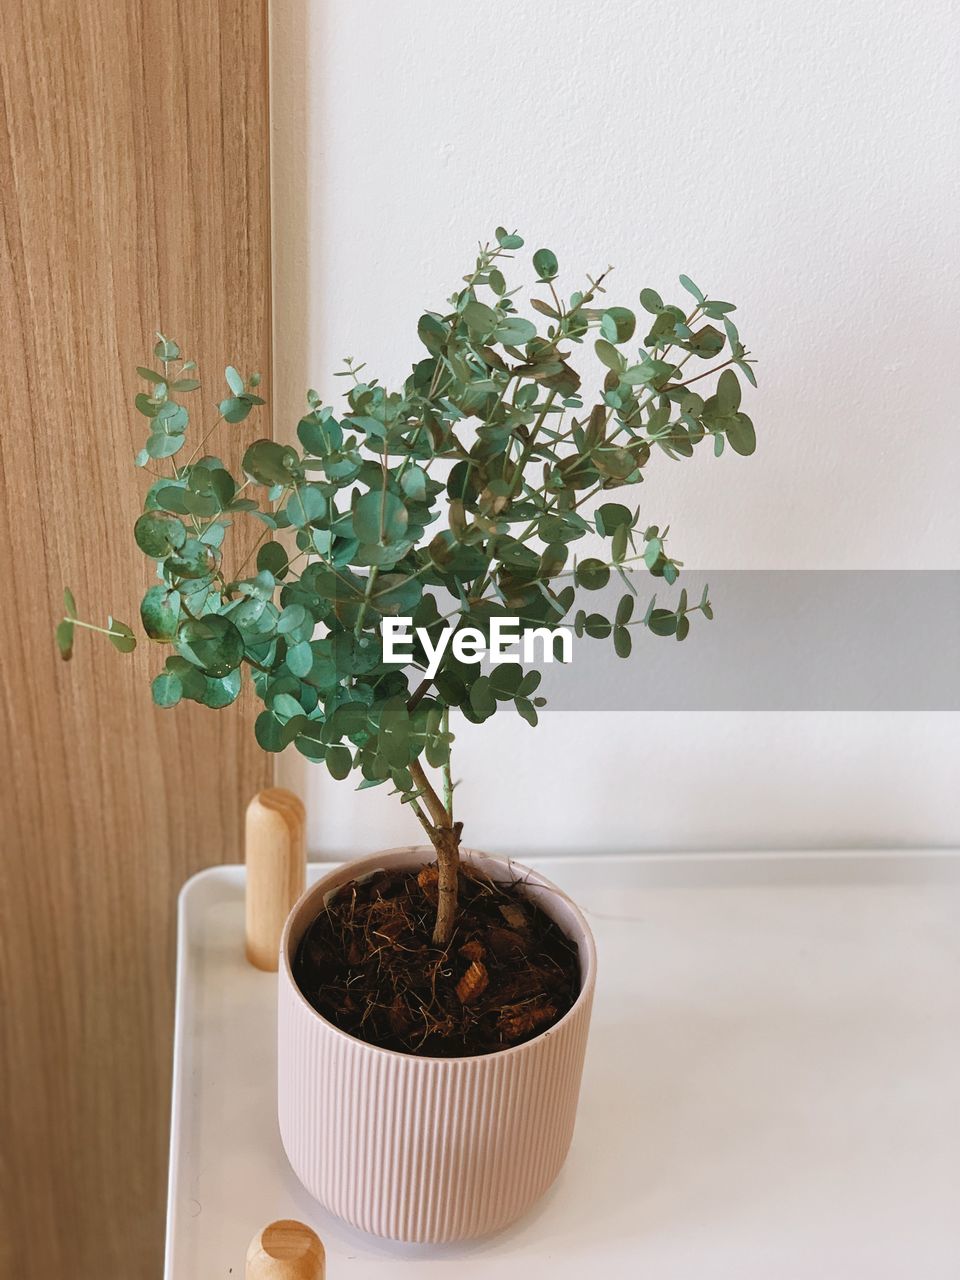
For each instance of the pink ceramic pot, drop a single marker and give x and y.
(428, 1149)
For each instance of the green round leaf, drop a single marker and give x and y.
(65, 639)
(592, 574)
(235, 408)
(270, 732)
(157, 534)
(742, 437)
(285, 705)
(728, 393)
(662, 622)
(432, 333)
(167, 496)
(172, 418)
(552, 560)
(515, 331)
(300, 658)
(339, 760)
(121, 637)
(272, 556)
(195, 560)
(508, 240)
(146, 405)
(597, 626)
(208, 478)
(219, 693)
(507, 681)
(161, 445)
(397, 594)
(213, 535)
(166, 689)
(413, 482)
(166, 350)
(608, 355)
(482, 697)
(545, 264)
(308, 741)
(622, 642)
(611, 516)
(211, 643)
(529, 683)
(305, 504)
(246, 615)
(617, 324)
(295, 621)
(380, 518)
(319, 436)
(706, 342)
(527, 710)
(651, 301)
(618, 544)
(481, 320)
(611, 460)
(160, 613)
(462, 481)
(270, 463)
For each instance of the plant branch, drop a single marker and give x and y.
(706, 374)
(433, 802)
(418, 694)
(447, 774)
(204, 440)
(445, 835)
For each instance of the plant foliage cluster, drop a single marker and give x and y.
(460, 496)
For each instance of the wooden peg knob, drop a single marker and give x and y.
(276, 870)
(286, 1250)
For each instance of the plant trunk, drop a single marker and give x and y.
(444, 835)
(447, 844)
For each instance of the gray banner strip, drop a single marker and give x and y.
(818, 640)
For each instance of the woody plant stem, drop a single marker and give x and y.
(444, 835)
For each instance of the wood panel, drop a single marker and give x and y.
(133, 166)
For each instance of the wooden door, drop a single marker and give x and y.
(133, 167)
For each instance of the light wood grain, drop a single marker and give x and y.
(286, 1250)
(276, 859)
(133, 170)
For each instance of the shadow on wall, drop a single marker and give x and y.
(615, 782)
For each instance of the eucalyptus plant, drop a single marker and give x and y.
(457, 498)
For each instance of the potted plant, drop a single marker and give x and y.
(434, 1002)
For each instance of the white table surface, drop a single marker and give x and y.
(772, 1087)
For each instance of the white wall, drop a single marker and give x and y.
(799, 159)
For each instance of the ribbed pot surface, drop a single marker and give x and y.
(428, 1149)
